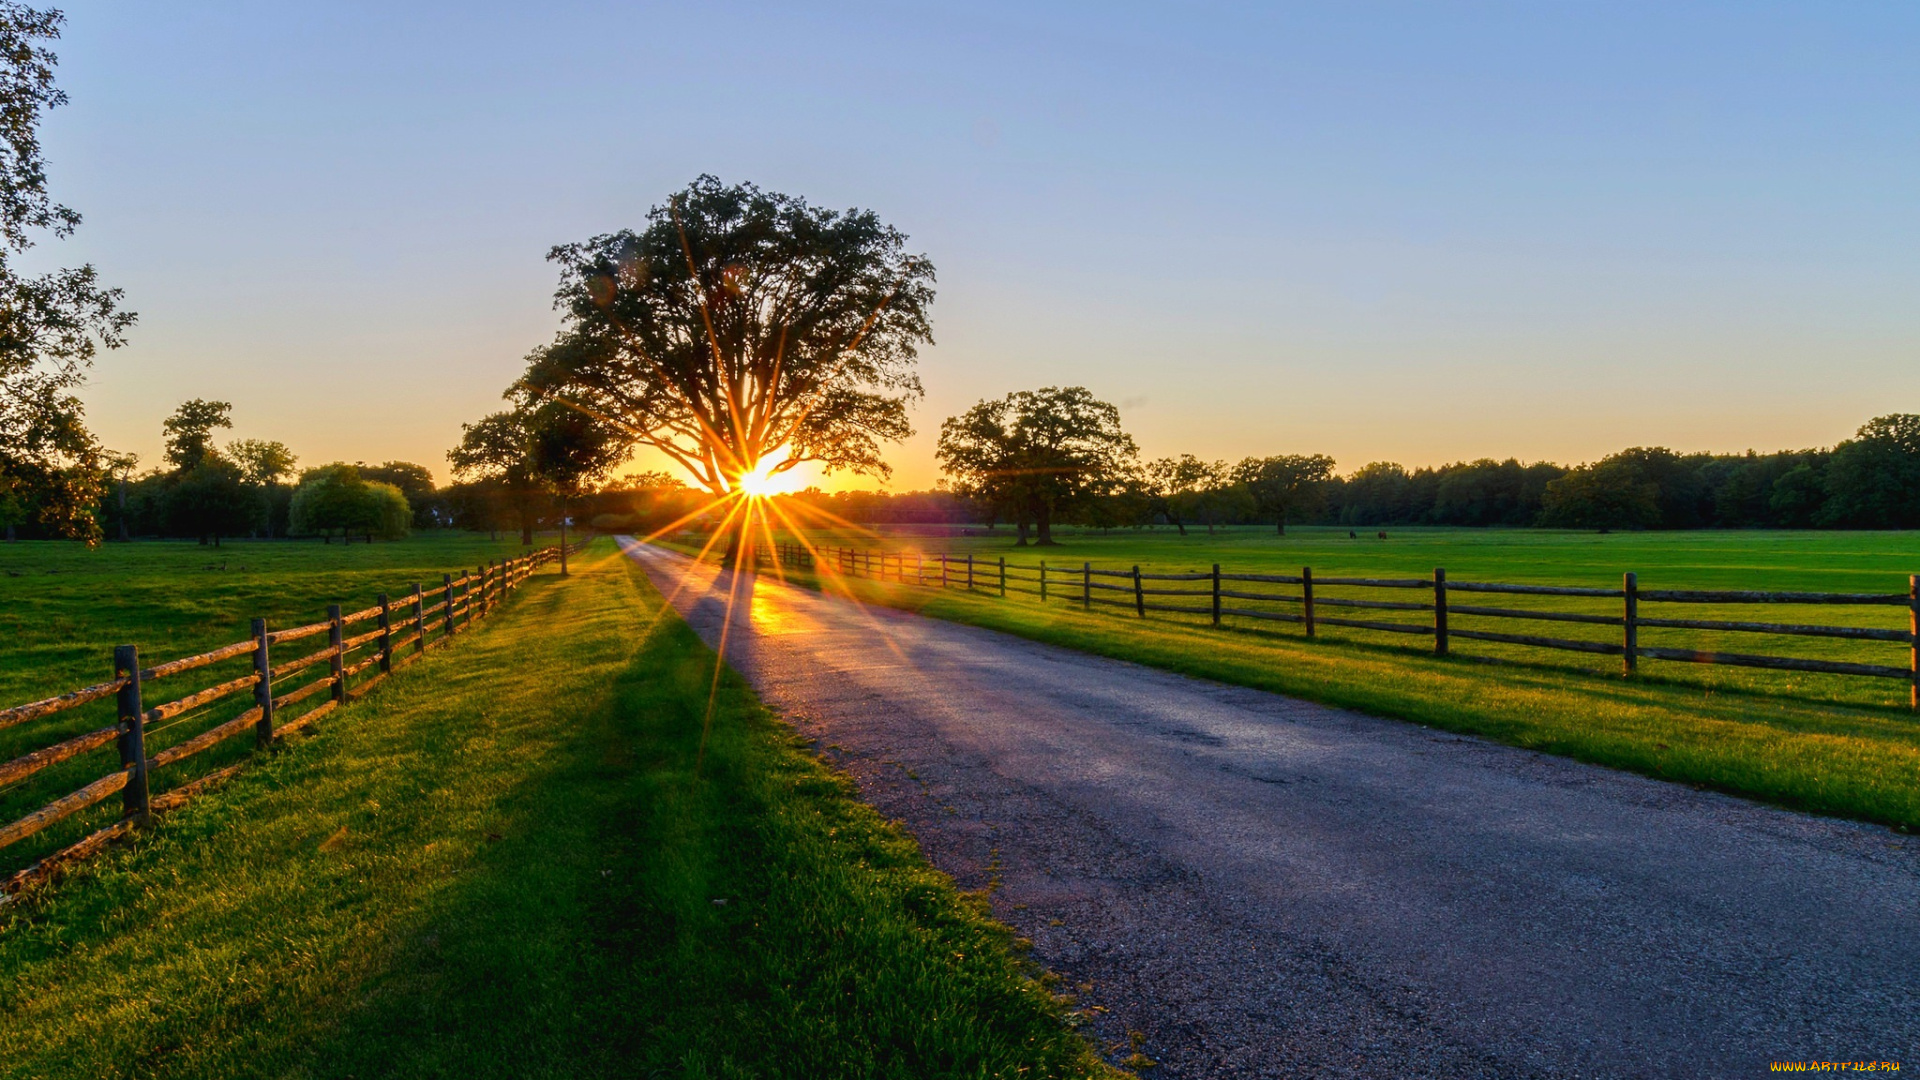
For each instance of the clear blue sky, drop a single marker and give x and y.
(1414, 232)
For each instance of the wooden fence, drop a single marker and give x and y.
(1218, 595)
(351, 662)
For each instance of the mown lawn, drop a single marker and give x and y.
(1839, 746)
(506, 862)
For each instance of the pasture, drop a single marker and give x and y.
(514, 859)
(1833, 744)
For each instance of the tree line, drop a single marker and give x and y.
(1038, 458)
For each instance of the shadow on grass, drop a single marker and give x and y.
(505, 865)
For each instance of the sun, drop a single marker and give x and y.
(761, 481)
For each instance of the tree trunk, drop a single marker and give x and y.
(11, 538)
(1280, 524)
(1178, 524)
(1045, 526)
(1022, 542)
(526, 530)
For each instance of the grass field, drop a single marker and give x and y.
(1835, 745)
(67, 607)
(505, 862)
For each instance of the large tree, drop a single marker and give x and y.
(1037, 453)
(742, 325)
(51, 468)
(1285, 486)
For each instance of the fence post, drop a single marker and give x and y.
(1216, 594)
(1439, 611)
(133, 732)
(920, 569)
(386, 635)
(1003, 577)
(446, 611)
(419, 620)
(1139, 598)
(969, 571)
(943, 570)
(473, 606)
(262, 683)
(336, 637)
(1913, 634)
(1086, 586)
(1630, 621)
(1043, 581)
(1306, 597)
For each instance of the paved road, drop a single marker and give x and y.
(1268, 887)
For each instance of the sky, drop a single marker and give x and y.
(1414, 232)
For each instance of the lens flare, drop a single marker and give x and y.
(763, 480)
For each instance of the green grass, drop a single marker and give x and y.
(67, 607)
(505, 862)
(1823, 743)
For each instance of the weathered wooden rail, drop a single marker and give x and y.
(330, 676)
(1221, 595)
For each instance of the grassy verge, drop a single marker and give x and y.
(508, 863)
(1825, 756)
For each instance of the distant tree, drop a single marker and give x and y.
(266, 466)
(1287, 486)
(189, 431)
(262, 462)
(1040, 452)
(1177, 484)
(1873, 479)
(570, 451)
(336, 496)
(213, 499)
(415, 482)
(1798, 496)
(51, 326)
(499, 449)
(740, 325)
(1614, 493)
(120, 468)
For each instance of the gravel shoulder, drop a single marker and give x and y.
(1261, 886)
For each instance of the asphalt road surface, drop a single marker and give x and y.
(1259, 886)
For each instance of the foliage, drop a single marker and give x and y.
(1037, 453)
(535, 450)
(265, 463)
(189, 431)
(213, 499)
(1873, 479)
(51, 325)
(498, 450)
(416, 483)
(1179, 484)
(336, 496)
(1285, 486)
(741, 324)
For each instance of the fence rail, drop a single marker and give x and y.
(404, 631)
(1078, 585)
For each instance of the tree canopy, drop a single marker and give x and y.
(52, 324)
(189, 431)
(336, 496)
(1285, 486)
(1037, 454)
(742, 324)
